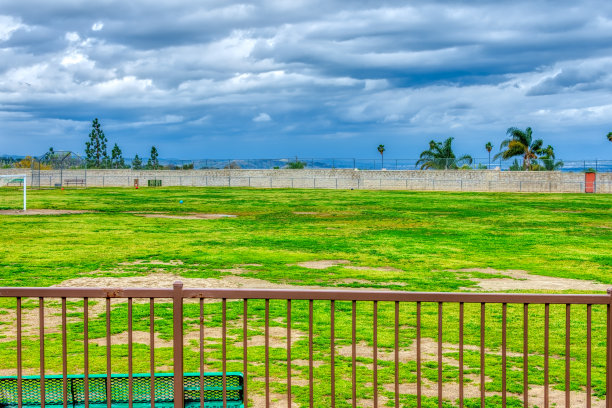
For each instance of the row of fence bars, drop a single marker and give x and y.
(178, 294)
(330, 163)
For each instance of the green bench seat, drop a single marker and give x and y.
(164, 390)
(15, 181)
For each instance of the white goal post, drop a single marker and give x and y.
(15, 180)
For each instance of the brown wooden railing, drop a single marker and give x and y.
(391, 301)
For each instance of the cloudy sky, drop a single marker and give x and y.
(220, 79)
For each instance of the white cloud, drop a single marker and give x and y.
(97, 26)
(73, 58)
(262, 117)
(72, 36)
(8, 25)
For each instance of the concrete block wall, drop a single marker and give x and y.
(435, 180)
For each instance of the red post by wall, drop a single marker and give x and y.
(589, 182)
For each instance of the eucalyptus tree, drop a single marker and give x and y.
(440, 156)
(520, 143)
(609, 136)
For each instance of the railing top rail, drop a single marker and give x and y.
(307, 294)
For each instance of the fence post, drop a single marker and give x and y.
(177, 342)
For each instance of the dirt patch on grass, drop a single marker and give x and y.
(153, 262)
(323, 264)
(137, 337)
(373, 268)
(522, 280)
(189, 216)
(311, 213)
(277, 338)
(166, 280)
(328, 263)
(42, 212)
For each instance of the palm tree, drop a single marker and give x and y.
(440, 156)
(381, 150)
(547, 156)
(520, 143)
(489, 147)
(609, 136)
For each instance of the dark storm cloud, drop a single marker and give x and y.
(300, 72)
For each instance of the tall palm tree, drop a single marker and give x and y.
(381, 150)
(547, 156)
(520, 143)
(609, 136)
(489, 147)
(440, 156)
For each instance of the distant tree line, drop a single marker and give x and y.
(97, 156)
(519, 143)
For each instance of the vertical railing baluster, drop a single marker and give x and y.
(64, 356)
(130, 356)
(224, 349)
(109, 398)
(288, 353)
(396, 356)
(267, 351)
(546, 344)
(19, 363)
(152, 349)
(589, 357)
(332, 341)
(245, 364)
(177, 343)
(439, 354)
(526, 355)
(418, 356)
(375, 353)
(310, 362)
(461, 316)
(609, 353)
(86, 350)
(504, 365)
(567, 355)
(41, 322)
(354, 352)
(201, 335)
(482, 354)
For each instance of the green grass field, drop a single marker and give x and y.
(415, 241)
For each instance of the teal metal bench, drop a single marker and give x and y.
(15, 182)
(164, 390)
